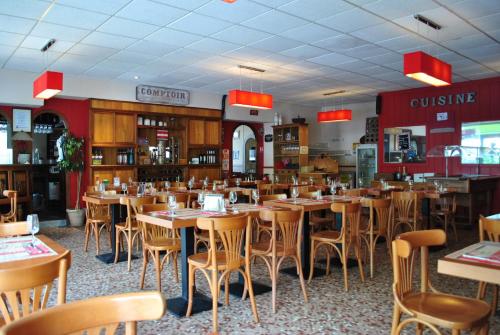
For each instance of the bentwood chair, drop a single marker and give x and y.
(11, 215)
(354, 192)
(316, 220)
(266, 226)
(98, 217)
(129, 229)
(286, 237)
(25, 290)
(405, 211)
(14, 229)
(348, 237)
(489, 230)
(380, 216)
(235, 232)
(107, 313)
(428, 307)
(265, 188)
(444, 212)
(156, 240)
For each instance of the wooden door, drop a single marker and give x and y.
(196, 132)
(103, 127)
(212, 132)
(125, 174)
(125, 127)
(102, 174)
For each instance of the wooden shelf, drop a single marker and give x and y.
(160, 127)
(203, 165)
(290, 155)
(287, 142)
(161, 165)
(113, 145)
(204, 146)
(113, 166)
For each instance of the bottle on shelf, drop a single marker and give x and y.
(403, 176)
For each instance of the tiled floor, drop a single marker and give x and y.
(365, 309)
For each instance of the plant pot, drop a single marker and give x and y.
(76, 217)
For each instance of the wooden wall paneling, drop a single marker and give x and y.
(196, 132)
(200, 173)
(125, 128)
(212, 132)
(125, 174)
(102, 129)
(102, 174)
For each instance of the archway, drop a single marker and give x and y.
(244, 151)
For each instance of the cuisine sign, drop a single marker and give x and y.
(162, 95)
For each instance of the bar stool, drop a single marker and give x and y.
(11, 215)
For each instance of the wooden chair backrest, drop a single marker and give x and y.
(178, 184)
(177, 189)
(380, 215)
(95, 211)
(268, 197)
(151, 231)
(230, 230)
(107, 313)
(179, 197)
(133, 204)
(489, 229)
(405, 205)
(10, 216)
(26, 289)
(300, 188)
(448, 202)
(355, 192)
(351, 218)
(14, 228)
(404, 250)
(287, 225)
(308, 195)
(265, 188)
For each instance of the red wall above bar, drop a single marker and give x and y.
(396, 112)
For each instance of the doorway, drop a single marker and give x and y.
(244, 150)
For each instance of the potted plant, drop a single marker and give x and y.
(71, 159)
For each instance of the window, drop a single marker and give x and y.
(481, 142)
(5, 150)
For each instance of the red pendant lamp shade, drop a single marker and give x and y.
(47, 85)
(425, 68)
(335, 116)
(250, 99)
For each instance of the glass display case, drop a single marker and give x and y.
(366, 164)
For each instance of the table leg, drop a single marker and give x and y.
(178, 305)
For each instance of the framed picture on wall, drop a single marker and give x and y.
(21, 120)
(236, 154)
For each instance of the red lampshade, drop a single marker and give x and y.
(250, 99)
(425, 68)
(335, 116)
(47, 85)
(229, 1)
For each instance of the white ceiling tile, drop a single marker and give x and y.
(184, 56)
(309, 33)
(75, 17)
(49, 30)
(17, 25)
(392, 9)
(341, 42)
(304, 51)
(151, 47)
(10, 39)
(31, 9)
(276, 44)
(389, 57)
(354, 66)
(482, 51)
(214, 46)
(173, 37)
(132, 75)
(364, 51)
(199, 24)
(38, 43)
(370, 71)
(106, 7)
(156, 67)
(108, 40)
(471, 9)
(100, 71)
(185, 4)
(273, 3)
(351, 20)
(236, 12)
(23, 64)
(128, 28)
(36, 54)
(275, 60)
(132, 57)
(404, 42)
(315, 9)
(380, 32)
(247, 53)
(91, 50)
(488, 23)
(466, 42)
(274, 22)
(151, 12)
(116, 66)
(241, 35)
(5, 52)
(331, 59)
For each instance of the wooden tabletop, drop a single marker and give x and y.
(436, 194)
(309, 205)
(455, 265)
(59, 249)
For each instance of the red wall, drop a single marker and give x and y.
(396, 111)
(228, 128)
(76, 115)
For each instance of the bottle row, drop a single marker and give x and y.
(205, 157)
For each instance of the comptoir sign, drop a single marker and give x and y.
(162, 95)
(444, 100)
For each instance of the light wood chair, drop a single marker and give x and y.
(98, 217)
(107, 313)
(156, 240)
(11, 215)
(428, 307)
(316, 220)
(26, 289)
(405, 211)
(265, 188)
(235, 232)
(266, 226)
(444, 210)
(349, 237)
(14, 228)
(489, 230)
(380, 217)
(285, 242)
(129, 229)
(355, 192)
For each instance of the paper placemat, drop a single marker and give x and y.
(19, 248)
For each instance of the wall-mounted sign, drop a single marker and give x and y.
(162, 95)
(21, 120)
(443, 116)
(268, 138)
(254, 112)
(444, 100)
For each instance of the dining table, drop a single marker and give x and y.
(185, 221)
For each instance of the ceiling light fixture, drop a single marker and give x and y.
(48, 83)
(334, 115)
(229, 1)
(250, 99)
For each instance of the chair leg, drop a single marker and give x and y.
(301, 277)
(129, 249)
(273, 283)
(174, 263)
(481, 291)
(96, 234)
(191, 290)
(419, 329)
(226, 288)
(144, 267)
(328, 256)
(357, 251)
(311, 262)
(117, 245)
(248, 282)
(345, 258)
(87, 233)
(494, 301)
(372, 252)
(455, 332)
(215, 295)
(396, 317)
(158, 269)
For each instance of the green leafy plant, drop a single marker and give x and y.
(73, 159)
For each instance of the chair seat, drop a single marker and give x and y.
(163, 244)
(122, 226)
(199, 260)
(448, 310)
(262, 248)
(99, 219)
(326, 235)
(318, 220)
(204, 235)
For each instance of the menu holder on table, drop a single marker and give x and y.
(214, 202)
(23, 247)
